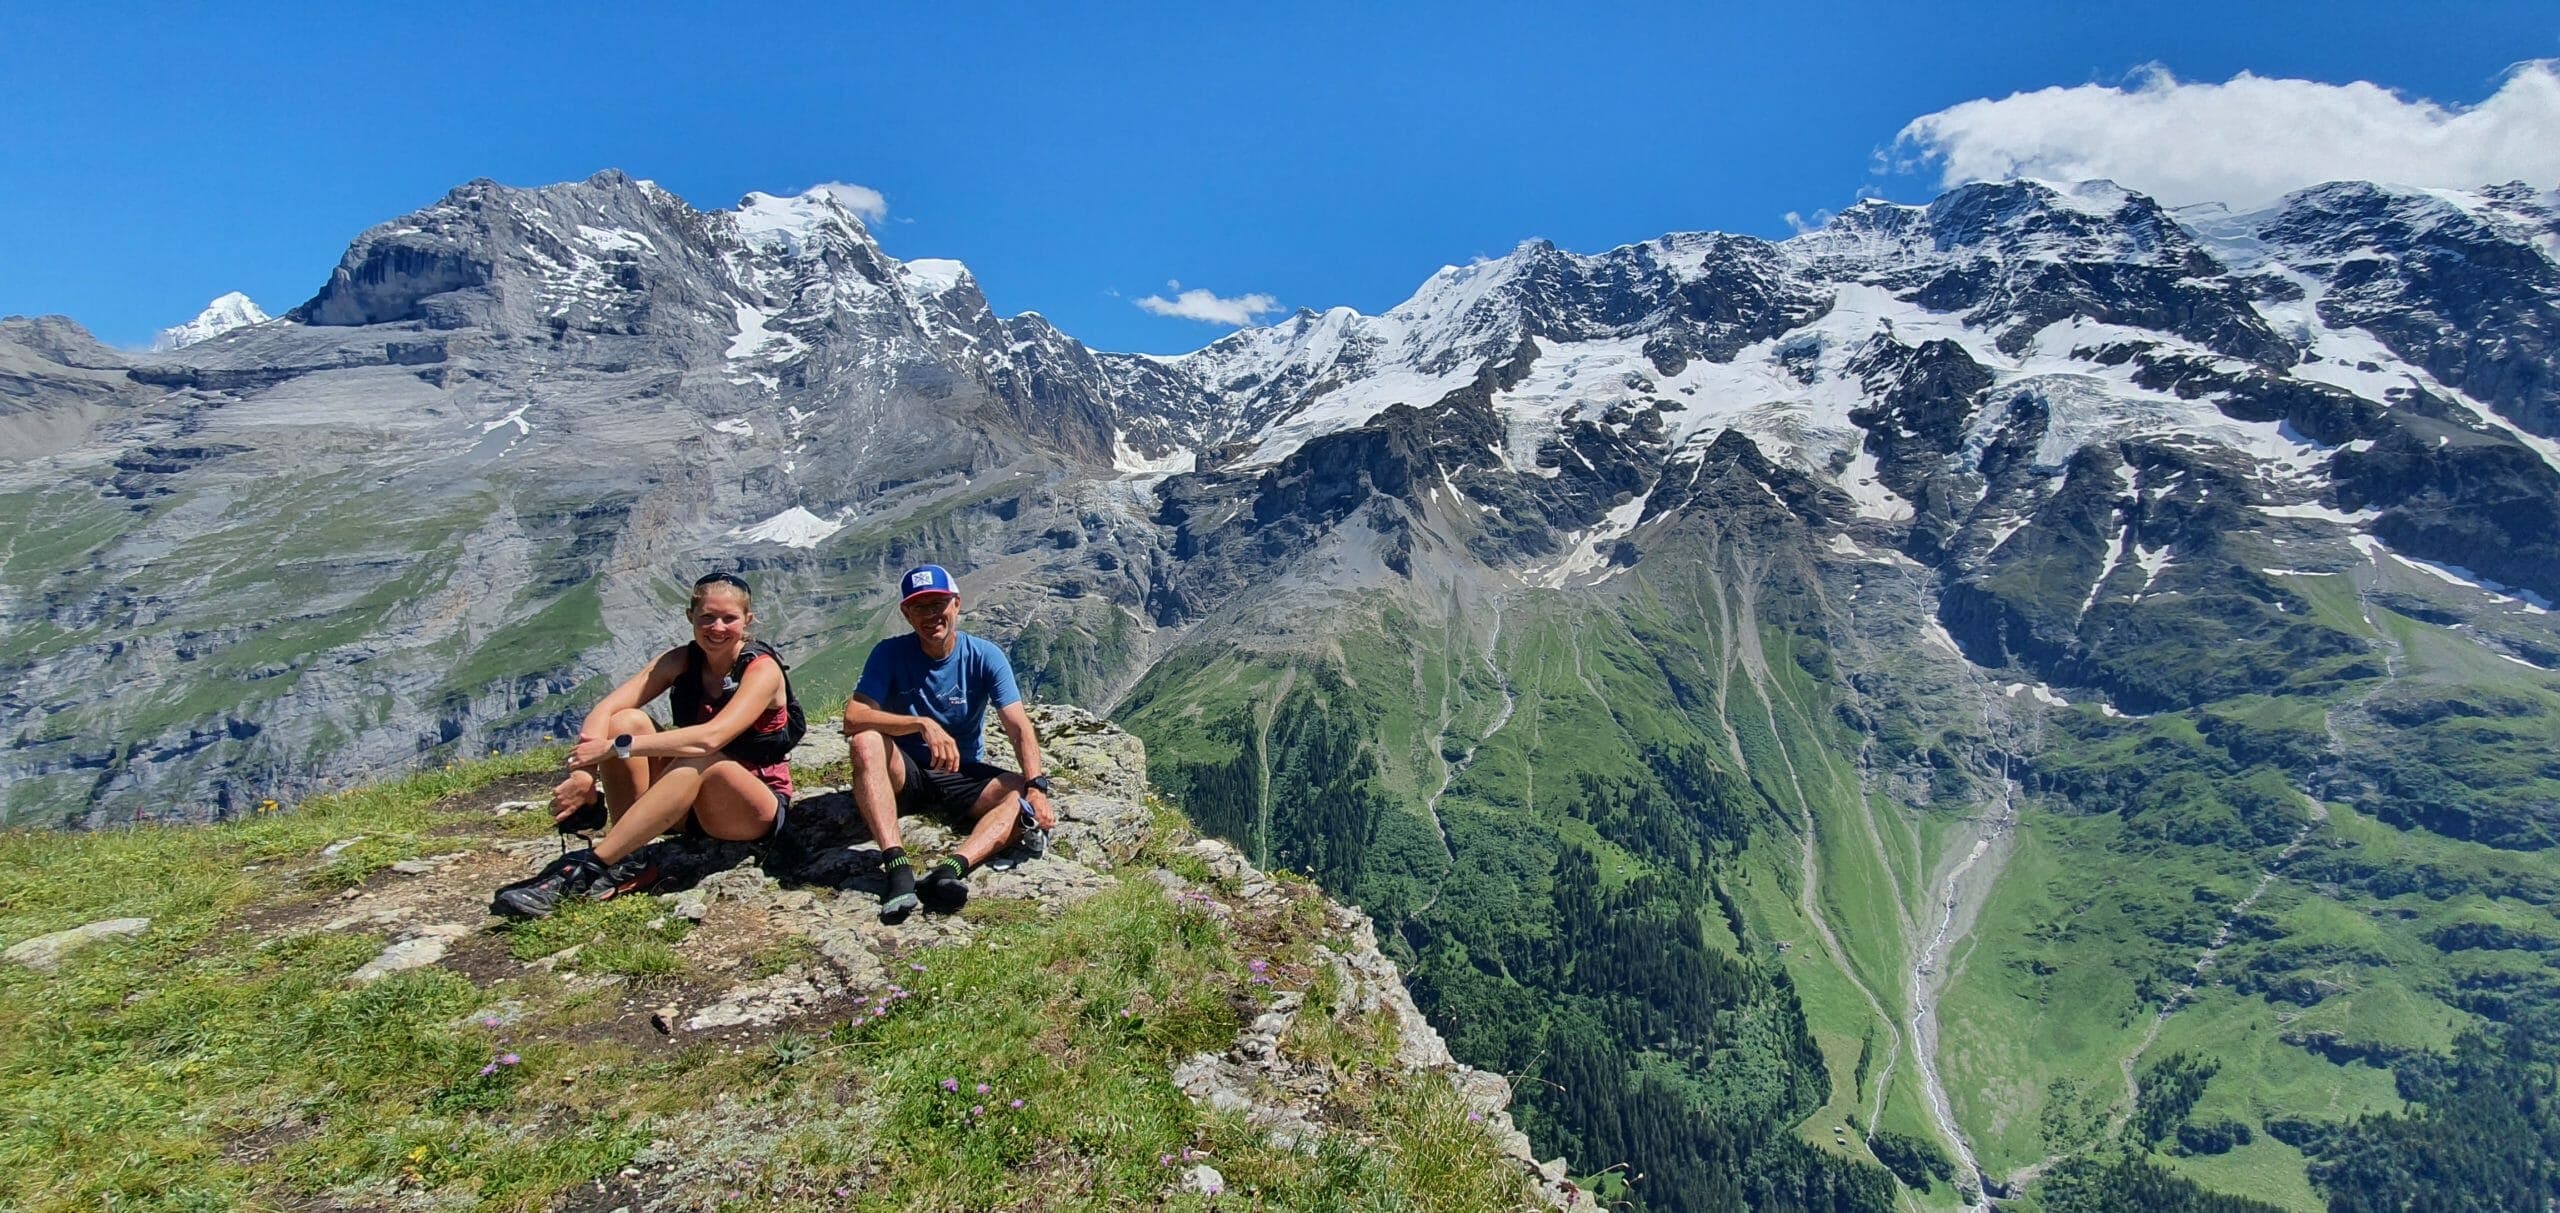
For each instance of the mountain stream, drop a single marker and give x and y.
(1968, 886)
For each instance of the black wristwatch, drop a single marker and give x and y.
(1041, 783)
(622, 746)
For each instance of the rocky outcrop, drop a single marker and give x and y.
(56, 383)
(1258, 1078)
(2461, 291)
(813, 897)
(47, 951)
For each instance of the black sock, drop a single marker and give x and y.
(959, 866)
(902, 875)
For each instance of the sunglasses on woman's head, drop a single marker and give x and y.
(729, 578)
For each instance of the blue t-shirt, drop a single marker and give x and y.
(954, 692)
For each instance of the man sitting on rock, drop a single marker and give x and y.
(916, 726)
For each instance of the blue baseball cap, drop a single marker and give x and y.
(925, 579)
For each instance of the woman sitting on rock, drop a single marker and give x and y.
(724, 765)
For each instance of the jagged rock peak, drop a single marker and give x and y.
(2023, 218)
(457, 262)
(2343, 218)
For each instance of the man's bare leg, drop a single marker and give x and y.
(997, 822)
(878, 776)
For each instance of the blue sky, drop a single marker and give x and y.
(152, 157)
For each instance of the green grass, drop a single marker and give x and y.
(187, 879)
(2044, 991)
(2261, 1078)
(122, 1076)
(201, 1066)
(629, 937)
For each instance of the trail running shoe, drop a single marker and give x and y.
(1029, 842)
(632, 875)
(576, 874)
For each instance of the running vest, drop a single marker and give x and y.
(771, 740)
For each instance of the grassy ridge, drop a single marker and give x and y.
(215, 1062)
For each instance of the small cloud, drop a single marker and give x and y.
(1197, 304)
(860, 199)
(2245, 142)
(1798, 224)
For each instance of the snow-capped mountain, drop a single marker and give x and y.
(228, 311)
(1942, 367)
(428, 503)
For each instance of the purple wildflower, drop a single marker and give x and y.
(951, 1084)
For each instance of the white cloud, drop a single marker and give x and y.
(860, 199)
(1197, 304)
(2248, 141)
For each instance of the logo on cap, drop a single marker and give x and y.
(926, 579)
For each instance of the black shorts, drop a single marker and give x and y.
(951, 793)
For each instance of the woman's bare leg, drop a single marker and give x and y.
(733, 805)
(626, 779)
